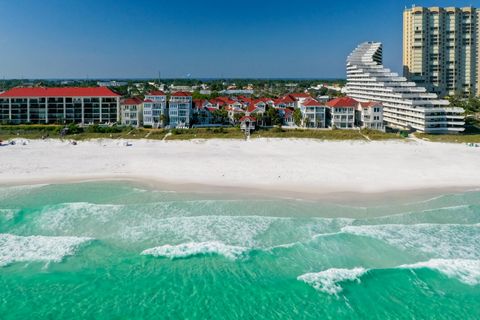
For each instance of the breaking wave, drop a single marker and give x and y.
(465, 270)
(440, 240)
(190, 249)
(328, 281)
(37, 248)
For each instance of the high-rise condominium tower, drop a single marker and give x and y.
(405, 105)
(441, 49)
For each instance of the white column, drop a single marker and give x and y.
(46, 110)
(28, 109)
(118, 109)
(83, 111)
(100, 103)
(64, 109)
(10, 109)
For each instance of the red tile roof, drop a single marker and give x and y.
(370, 104)
(286, 100)
(181, 94)
(247, 118)
(156, 93)
(59, 92)
(312, 103)
(199, 103)
(343, 102)
(130, 101)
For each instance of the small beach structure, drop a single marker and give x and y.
(247, 125)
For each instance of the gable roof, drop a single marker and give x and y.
(59, 92)
(285, 99)
(156, 93)
(342, 102)
(131, 101)
(244, 118)
(181, 94)
(370, 104)
(312, 103)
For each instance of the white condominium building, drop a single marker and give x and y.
(405, 105)
(155, 109)
(59, 105)
(342, 112)
(180, 109)
(132, 112)
(313, 114)
(369, 115)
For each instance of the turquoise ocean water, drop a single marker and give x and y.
(113, 250)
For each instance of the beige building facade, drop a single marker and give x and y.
(441, 49)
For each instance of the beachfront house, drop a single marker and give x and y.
(155, 109)
(132, 112)
(285, 102)
(180, 109)
(313, 114)
(369, 115)
(300, 98)
(203, 112)
(39, 105)
(286, 115)
(342, 112)
(248, 123)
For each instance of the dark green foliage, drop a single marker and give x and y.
(95, 128)
(297, 117)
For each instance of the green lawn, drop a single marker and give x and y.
(52, 131)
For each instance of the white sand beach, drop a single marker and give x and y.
(283, 165)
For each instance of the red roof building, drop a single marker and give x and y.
(132, 101)
(41, 92)
(248, 118)
(156, 93)
(342, 102)
(60, 105)
(370, 104)
(312, 103)
(181, 94)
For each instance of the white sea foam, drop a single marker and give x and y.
(439, 240)
(465, 270)
(328, 281)
(8, 192)
(8, 214)
(37, 248)
(186, 250)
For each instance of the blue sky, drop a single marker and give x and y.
(258, 39)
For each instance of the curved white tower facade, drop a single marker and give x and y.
(405, 105)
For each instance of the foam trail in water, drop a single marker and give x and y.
(8, 192)
(186, 250)
(465, 270)
(328, 281)
(445, 241)
(37, 248)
